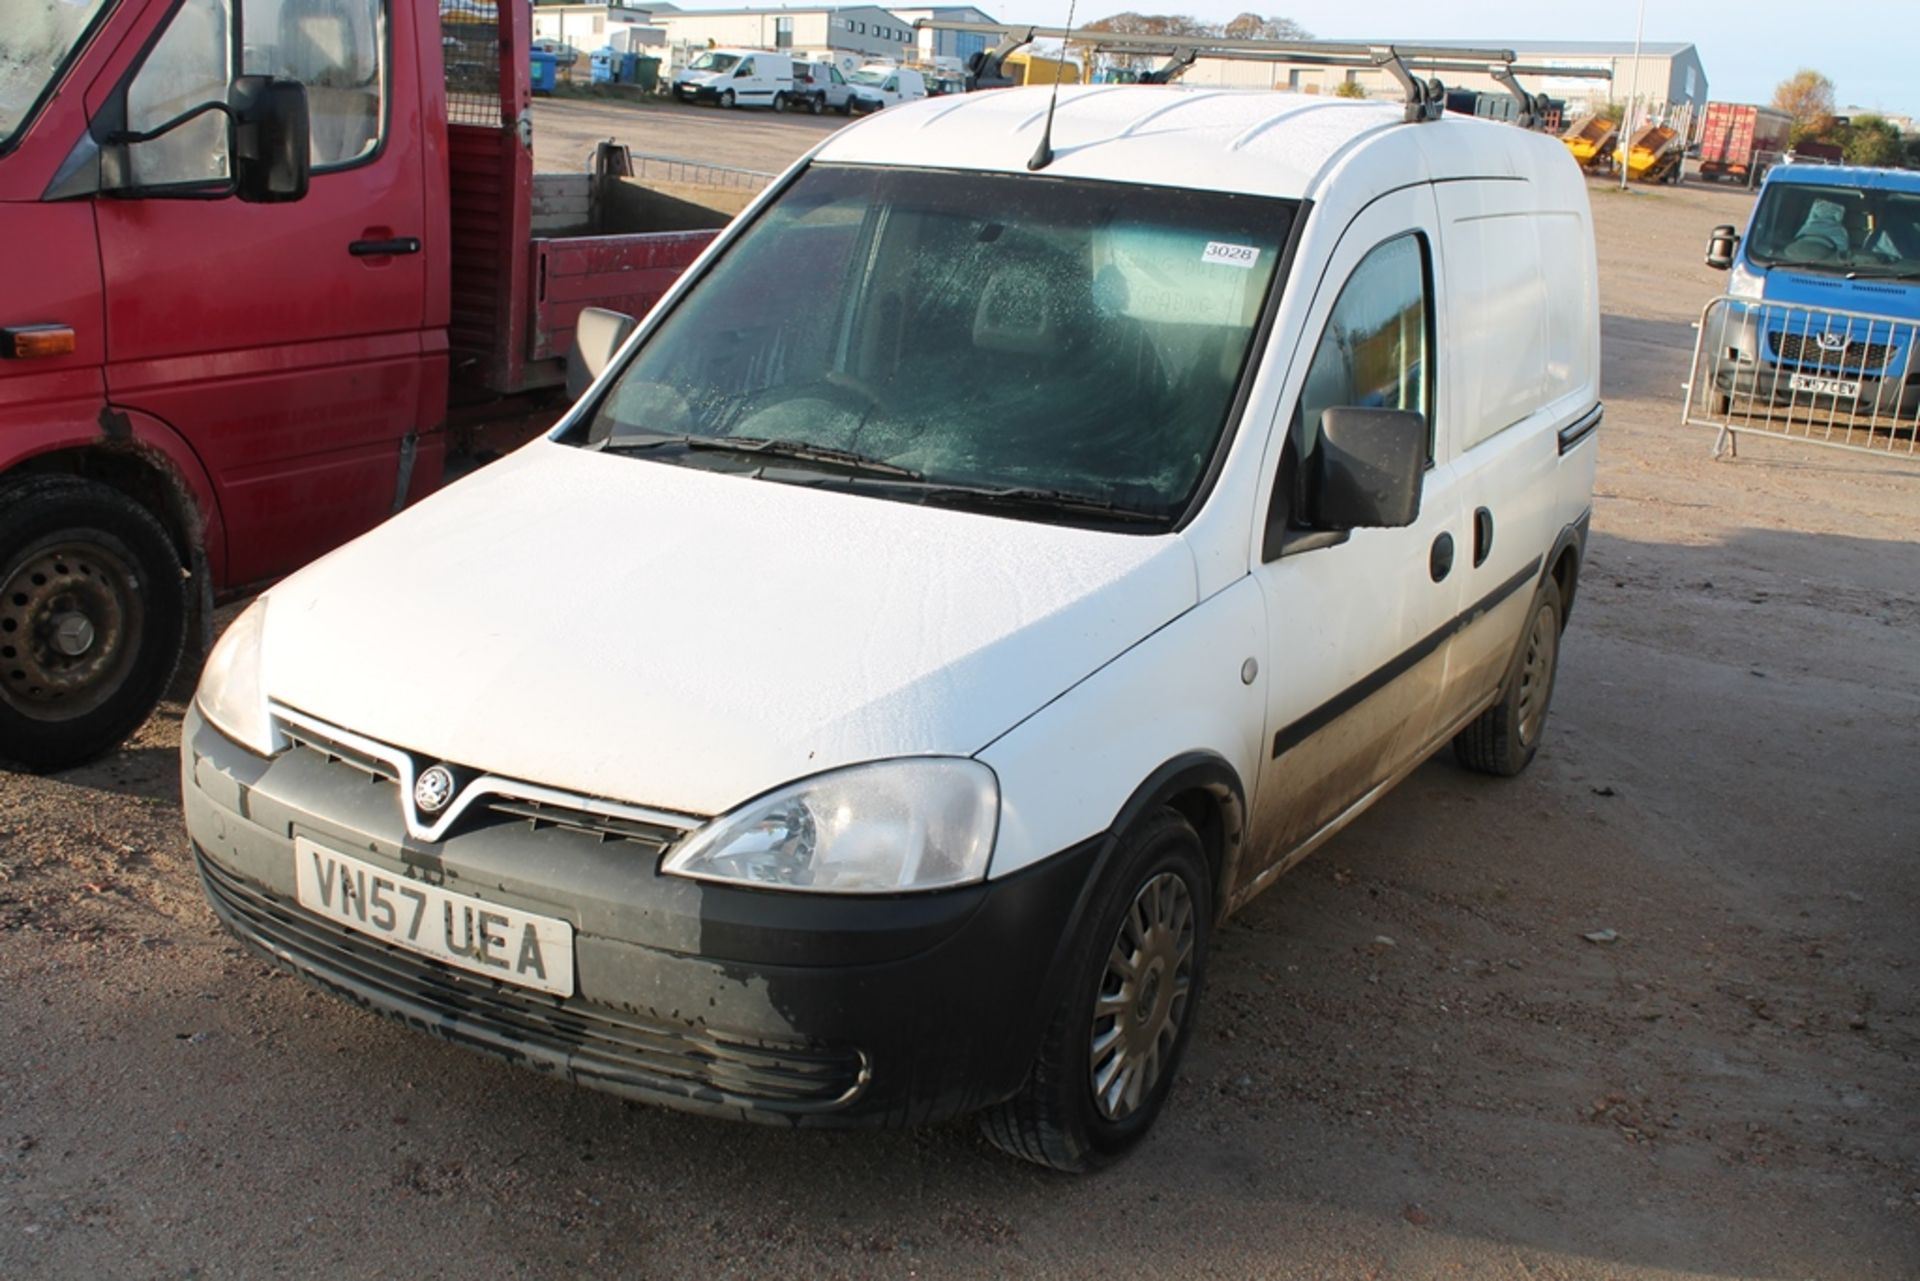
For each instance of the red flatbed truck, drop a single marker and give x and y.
(1739, 140)
(254, 249)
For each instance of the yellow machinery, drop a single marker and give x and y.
(1654, 154)
(1593, 141)
(1026, 69)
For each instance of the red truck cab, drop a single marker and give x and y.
(214, 368)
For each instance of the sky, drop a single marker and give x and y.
(1868, 48)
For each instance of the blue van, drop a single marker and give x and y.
(1832, 255)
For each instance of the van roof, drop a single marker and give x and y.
(1846, 176)
(1256, 141)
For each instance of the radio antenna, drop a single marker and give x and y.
(1043, 154)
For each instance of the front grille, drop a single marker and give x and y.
(600, 1046)
(606, 827)
(308, 739)
(1803, 349)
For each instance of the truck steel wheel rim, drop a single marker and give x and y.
(1536, 676)
(1143, 996)
(70, 620)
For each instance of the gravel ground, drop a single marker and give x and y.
(1410, 1063)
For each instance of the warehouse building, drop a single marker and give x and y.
(850, 34)
(947, 48)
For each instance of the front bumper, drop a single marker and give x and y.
(696, 93)
(794, 1008)
(1772, 386)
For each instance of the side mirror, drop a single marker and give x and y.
(1722, 242)
(597, 335)
(1367, 469)
(270, 144)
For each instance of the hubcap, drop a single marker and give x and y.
(1143, 996)
(70, 620)
(1536, 675)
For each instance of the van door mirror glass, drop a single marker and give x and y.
(270, 132)
(1367, 469)
(1722, 243)
(597, 335)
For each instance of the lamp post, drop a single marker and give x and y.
(1625, 147)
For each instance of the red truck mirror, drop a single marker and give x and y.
(269, 138)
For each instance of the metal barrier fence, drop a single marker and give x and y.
(1844, 379)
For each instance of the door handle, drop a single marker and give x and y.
(1482, 536)
(1440, 559)
(379, 248)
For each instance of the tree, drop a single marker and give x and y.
(1807, 96)
(1872, 140)
(1248, 26)
(1350, 89)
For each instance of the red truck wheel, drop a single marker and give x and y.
(93, 612)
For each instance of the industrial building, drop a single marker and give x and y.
(1668, 78)
(850, 34)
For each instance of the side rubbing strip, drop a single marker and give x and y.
(1372, 683)
(1581, 428)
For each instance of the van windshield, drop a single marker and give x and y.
(711, 61)
(960, 333)
(871, 75)
(1847, 230)
(36, 40)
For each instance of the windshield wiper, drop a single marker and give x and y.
(795, 450)
(1034, 499)
(1898, 274)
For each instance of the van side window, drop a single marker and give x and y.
(746, 68)
(336, 48)
(189, 65)
(1374, 350)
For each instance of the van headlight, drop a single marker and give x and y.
(1742, 283)
(918, 823)
(231, 695)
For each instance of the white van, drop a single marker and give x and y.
(879, 84)
(868, 701)
(736, 78)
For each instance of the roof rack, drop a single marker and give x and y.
(1425, 99)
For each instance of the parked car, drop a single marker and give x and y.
(933, 652)
(564, 55)
(822, 87)
(878, 85)
(1827, 287)
(737, 78)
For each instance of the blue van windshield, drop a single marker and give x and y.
(1838, 228)
(954, 330)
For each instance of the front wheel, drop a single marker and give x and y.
(726, 100)
(93, 613)
(1503, 739)
(1113, 1046)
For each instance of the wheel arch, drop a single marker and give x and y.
(1563, 563)
(1205, 789)
(143, 459)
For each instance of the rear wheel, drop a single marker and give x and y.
(817, 104)
(93, 611)
(780, 102)
(1113, 1046)
(1504, 738)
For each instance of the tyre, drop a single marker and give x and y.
(846, 108)
(93, 612)
(1112, 1048)
(817, 104)
(726, 100)
(780, 103)
(1503, 739)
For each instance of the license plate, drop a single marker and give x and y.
(1824, 386)
(465, 932)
